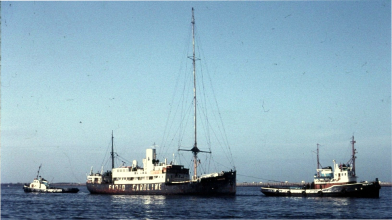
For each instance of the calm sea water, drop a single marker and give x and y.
(249, 203)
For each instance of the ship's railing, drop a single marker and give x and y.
(322, 179)
(266, 184)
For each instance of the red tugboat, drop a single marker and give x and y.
(163, 178)
(341, 181)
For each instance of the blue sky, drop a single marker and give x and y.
(287, 75)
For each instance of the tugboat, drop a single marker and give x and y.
(41, 185)
(163, 178)
(341, 181)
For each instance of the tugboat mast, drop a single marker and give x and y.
(38, 170)
(112, 153)
(353, 156)
(318, 161)
(352, 160)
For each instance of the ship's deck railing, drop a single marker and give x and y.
(266, 184)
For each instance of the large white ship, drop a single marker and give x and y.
(161, 177)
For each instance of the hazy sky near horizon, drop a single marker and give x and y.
(287, 75)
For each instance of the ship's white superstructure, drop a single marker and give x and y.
(340, 174)
(152, 172)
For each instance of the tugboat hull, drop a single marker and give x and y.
(360, 190)
(51, 190)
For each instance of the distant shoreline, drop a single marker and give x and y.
(244, 184)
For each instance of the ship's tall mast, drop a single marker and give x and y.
(194, 94)
(195, 150)
(112, 153)
(194, 74)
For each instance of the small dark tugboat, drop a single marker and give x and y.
(41, 185)
(341, 181)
